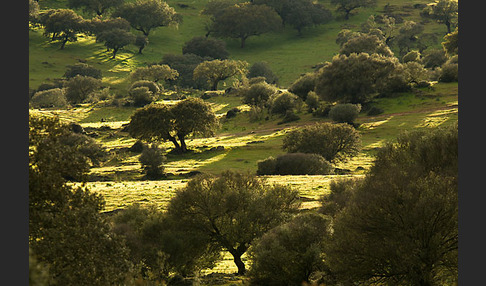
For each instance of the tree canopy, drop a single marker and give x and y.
(217, 70)
(97, 6)
(62, 25)
(348, 6)
(245, 20)
(146, 15)
(233, 209)
(159, 122)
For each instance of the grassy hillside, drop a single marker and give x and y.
(288, 54)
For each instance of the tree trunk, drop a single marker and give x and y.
(215, 85)
(140, 49)
(63, 43)
(239, 263)
(448, 25)
(174, 141)
(243, 39)
(183, 143)
(114, 53)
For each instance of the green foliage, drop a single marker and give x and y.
(206, 47)
(345, 113)
(54, 97)
(116, 39)
(303, 85)
(99, 7)
(215, 71)
(416, 72)
(434, 58)
(233, 209)
(159, 122)
(158, 247)
(312, 102)
(290, 254)
(365, 43)
(257, 94)
(357, 78)
(152, 86)
(409, 202)
(146, 15)
(451, 43)
(262, 69)
(80, 87)
(334, 142)
(443, 11)
(295, 164)
(66, 231)
(449, 71)
(151, 160)
(185, 65)
(62, 25)
(412, 56)
(281, 103)
(155, 73)
(348, 6)
(82, 69)
(245, 20)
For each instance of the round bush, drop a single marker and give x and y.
(152, 86)
(450, 70)
(312, 102)
(82, 69)
(303, 85)
(79, 88)
(262, 69)
(267, 166)
(206, 47)
(54, 97)
(412, 56)
(283, 102)
(141, 96)
(374, 111)
(345, 113)
(258, 93)
(152, 160)
(302, 164)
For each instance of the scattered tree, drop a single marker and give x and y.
(444, 11)
(145, 15)
(185, 65)
(97, 6)
(357, 78)
(348, 6)
(154, 73)
(116, 39)
(141, 41)
(159, 122)
(62, 25)
(217, 70)
(233, 209)
(245, 20)
(334, 142)
(79, 88)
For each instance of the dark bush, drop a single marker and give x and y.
(434, 58)
(280, 103)
(137, 147)
(303, 85)
(262, 69)
(232, 112)
(267, 166)
(206, 47)
(412, 56)
(152, 86)
(152, 160)
(49, 98)
(312, 102)
(450, 70)
(82, 69)
(295, 164)
(345, 113)
(141, 96)
(185, 65)
(322, 110)
(374, 111)
(290, 116)
(79, 87)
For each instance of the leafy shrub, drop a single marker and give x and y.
(54, 97)
(450, 70)
(141, 96)
(152, 86)
(333, 141)
(295, 164)
(258, 94)
(185, 65)
(79, 87)
(232, 112)
(345, 113)
(312, 102)
(290, 116)
(256, 113)
(434, 58)
(280, 103)
(152, 160)
(206, 47)
(322, 110)
(374, 111)
(291, 254)
(267, 166)
(82, 69)
(303, 85)
(412, 56)
(262, 69)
